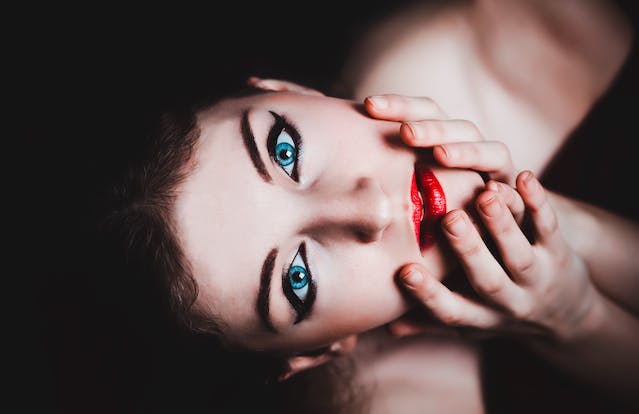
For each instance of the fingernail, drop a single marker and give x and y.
(451, 152)
(409, 132)
(379, 102)
(455, 224)
(442, 151)
(529, 181)
(412, 278)
(492, 186)
(491, 207)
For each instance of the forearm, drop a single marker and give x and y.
(604, 354)
(608, 243)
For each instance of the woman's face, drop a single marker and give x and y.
(298, 215)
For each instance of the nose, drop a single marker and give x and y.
(363, 211)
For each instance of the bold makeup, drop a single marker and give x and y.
(429, 202)
(418, 207)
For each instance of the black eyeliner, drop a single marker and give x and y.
(302, 308)
(282, 123)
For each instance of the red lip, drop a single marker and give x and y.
(432, 202)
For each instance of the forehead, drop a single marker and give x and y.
(212, 210)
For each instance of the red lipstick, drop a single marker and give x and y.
(418, 208)
(429, 204)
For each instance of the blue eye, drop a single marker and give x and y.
(284, 145)
(285, 151)
(298, 278)
(298, 284)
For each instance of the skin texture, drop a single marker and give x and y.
(547, 285)
(351, 208)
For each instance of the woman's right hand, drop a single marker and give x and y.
(536, 284)
(456, 143)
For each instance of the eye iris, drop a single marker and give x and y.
(285, 153)
(297, 276)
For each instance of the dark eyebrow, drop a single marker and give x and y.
(251, 147)
(264, 291)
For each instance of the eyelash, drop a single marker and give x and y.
(283, 125)
(302, 306)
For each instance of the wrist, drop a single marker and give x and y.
(589, 318)
(575, 221)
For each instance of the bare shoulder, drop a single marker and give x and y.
(523, 71)
(424, 374)
(588, 39)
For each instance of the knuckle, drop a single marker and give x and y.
(450, 317)
(491, 286)
(471, 130)
(548, 223)
(427, 296)
(433, 130)
(521, 310)
(505, 226)
(427, 102)
(473, 151)
(471, 249)
(522, 265)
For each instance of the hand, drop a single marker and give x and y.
(541, 284)
(456, 143)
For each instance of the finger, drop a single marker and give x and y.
(394, 107)
(492, 157)
(543, 215)
(431, 132)
(515, 249)
(484, 272)
(511, 197)
(447, 306)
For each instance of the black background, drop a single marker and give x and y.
(87, 80)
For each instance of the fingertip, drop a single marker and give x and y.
(412, 277)
(441, 154)
(489, 203)
(526, 179)
(492, 186)
(530, 188)
(376, 103)
(454, 223)
(407, 132)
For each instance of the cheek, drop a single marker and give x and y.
(364, 295)
(350, 147)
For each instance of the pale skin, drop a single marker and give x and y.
(353, 217)
(595, 350)
(604, 268)
(606, 276)
(556, 283)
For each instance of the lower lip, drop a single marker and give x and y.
(433, 202)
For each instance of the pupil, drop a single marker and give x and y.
(298, 276)
(285, 153)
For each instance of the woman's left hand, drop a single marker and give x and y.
(456, 143)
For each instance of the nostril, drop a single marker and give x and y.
(367, 236)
